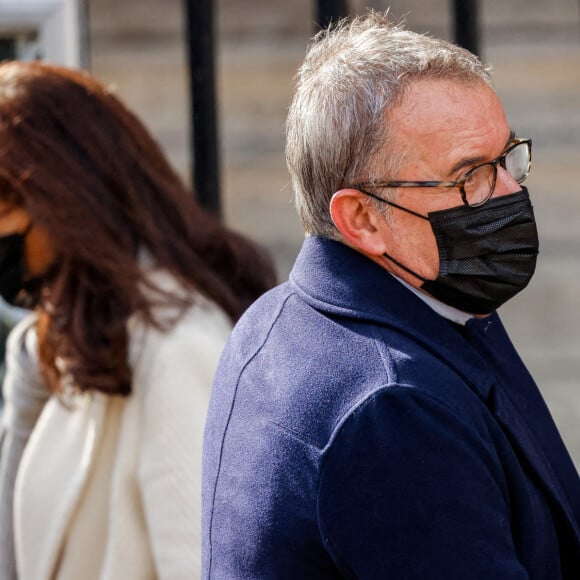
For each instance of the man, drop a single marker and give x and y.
(370, 418)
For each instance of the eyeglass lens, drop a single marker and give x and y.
(479, 187)
(517, 162)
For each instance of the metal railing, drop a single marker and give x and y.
(204, 140)
(200, 51)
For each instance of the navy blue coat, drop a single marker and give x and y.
(355, 433)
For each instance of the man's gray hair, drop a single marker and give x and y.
(353, 74)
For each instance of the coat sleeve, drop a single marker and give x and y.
(411, 490)
(177, 387)
(24, 398)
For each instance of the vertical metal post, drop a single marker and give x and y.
(200, 54)
(84, 34)
(466, 24)
(330, 11)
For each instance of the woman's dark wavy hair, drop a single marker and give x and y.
(90, 174)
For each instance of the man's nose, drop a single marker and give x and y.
(505, 183)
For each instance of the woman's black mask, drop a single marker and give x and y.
(15, 287)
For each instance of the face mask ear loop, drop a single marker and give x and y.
(391, 203)
(402, 266)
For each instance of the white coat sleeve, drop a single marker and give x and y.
(177, 391)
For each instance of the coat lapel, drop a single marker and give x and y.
(524, 417)
(50, 484)
(532, 456)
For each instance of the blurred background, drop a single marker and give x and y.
(139, 47)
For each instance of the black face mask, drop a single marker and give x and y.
(487, 254)
(13, 271)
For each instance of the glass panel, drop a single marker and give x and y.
(20, 45)
(7, 48)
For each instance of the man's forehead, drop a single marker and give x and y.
(435, 116)
(433, 103)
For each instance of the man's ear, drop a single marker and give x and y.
(360, 224)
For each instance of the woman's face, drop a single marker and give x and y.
(38, 249)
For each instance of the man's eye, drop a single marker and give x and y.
(470, 175)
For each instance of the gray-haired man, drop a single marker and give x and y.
(370, 418)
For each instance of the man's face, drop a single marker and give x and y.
(443, 128)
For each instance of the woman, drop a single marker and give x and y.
(134, 290)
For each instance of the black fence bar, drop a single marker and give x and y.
(200, 53)
(466, 24)
(330, 11)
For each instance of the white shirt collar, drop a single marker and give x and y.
(449, 312)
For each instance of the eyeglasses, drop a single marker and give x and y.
(478, 184)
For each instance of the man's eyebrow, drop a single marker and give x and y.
(466, 163)
(510, 139)
(475, 160)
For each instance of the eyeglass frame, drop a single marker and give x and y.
(459, 183)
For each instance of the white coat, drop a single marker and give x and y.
(109, 487)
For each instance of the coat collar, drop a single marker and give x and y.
(334, 278)
(348, 283)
